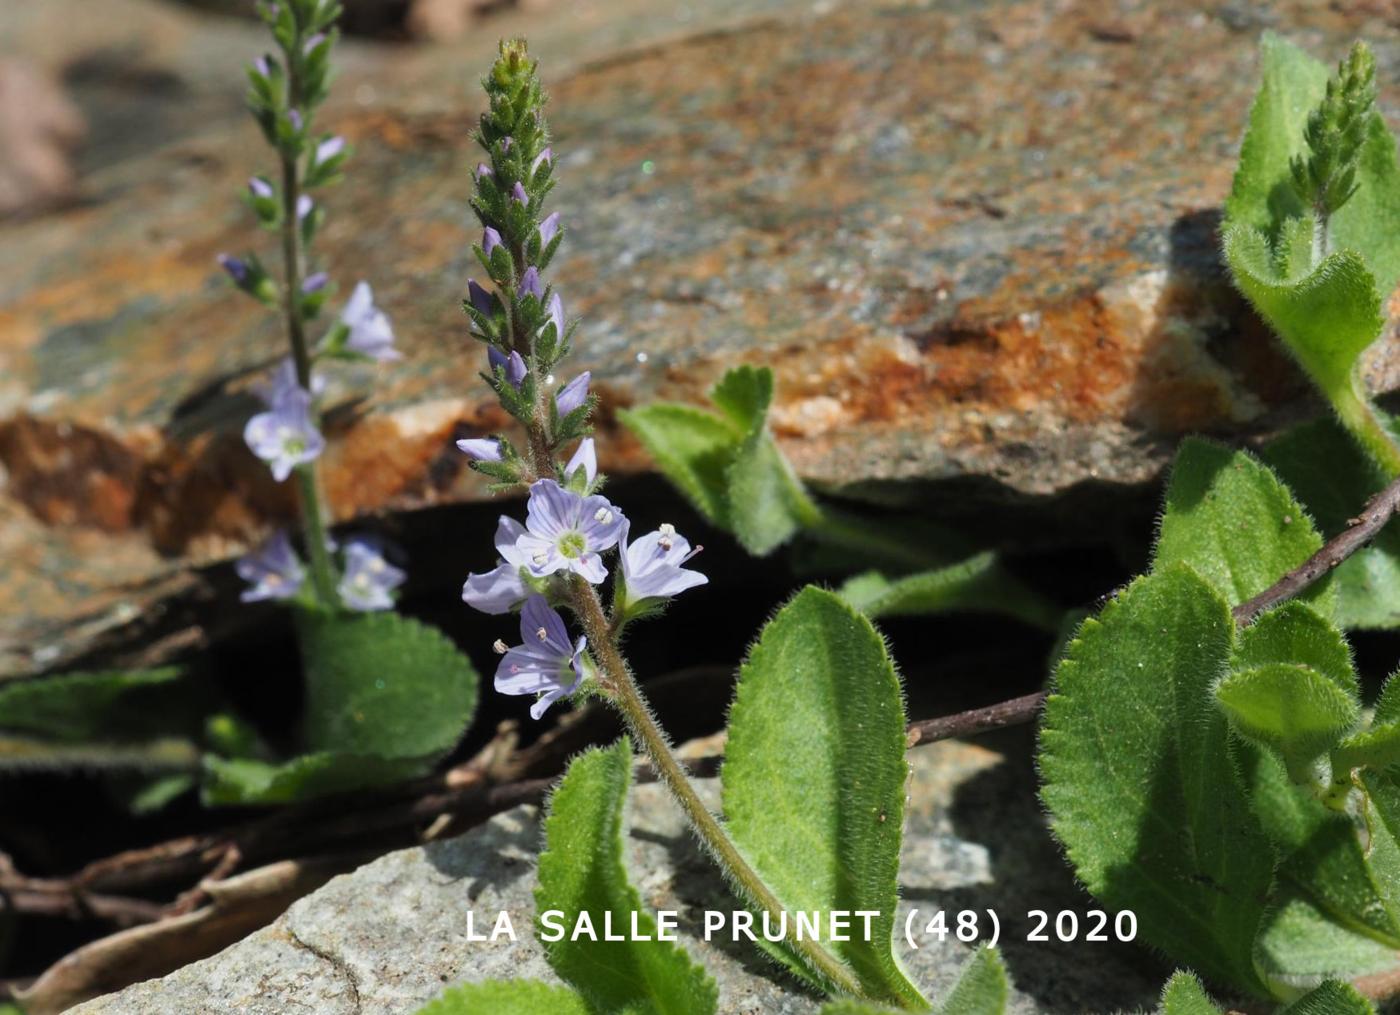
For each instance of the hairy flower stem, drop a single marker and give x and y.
(628, 698)
(313, 521)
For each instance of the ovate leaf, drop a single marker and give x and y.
(1331, 998)
(1139, 782)
(383, 685)
(582, 871)
(1290, 708)
(1330, 474)
(693, 448)
(507, 997)
(814, 775)
(744, 394)
(769, 505)
(1238, 527)
(1184, 995)
(1296, 633)
(979, 583)
(982, 987)
(1300, 944)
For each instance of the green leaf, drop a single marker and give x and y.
(78, 707)
(693, 448)
(744, 394)
(582, 871)
(814, 775)
(1331, 998)
(1301, 943)
(1139, 782)
(1238, 527)
(1327, 318)
(507, 997)
(1377, 747)
(979, 583)
(772, 505)
(160, 754)
(1327, 470)
(1290, 708)
(1388, 704)
(383, 685)
(982, 987)
(1347, 871)
(1184, 995)
(248, 781)
(1297, 634)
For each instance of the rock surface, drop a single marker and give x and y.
(973, 239)
(392, 935)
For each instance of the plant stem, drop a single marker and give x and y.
(1361, 418)
(627, 696)
(313, 522)
(902, 550)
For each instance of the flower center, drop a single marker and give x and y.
(572, 545)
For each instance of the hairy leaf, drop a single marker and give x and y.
(1184, 995)
(161, 754)
(582, 871)
(982, 987)
(76, 707)
(814, 774)
(1297, 634)
(979, 583)
(237, 781)
(1340, 867)
(693, 448)
(1330, 474)
(383, 685)
(744, 394)
(1331, 998)
(1299, 943)
(507, 997)
(1230, 518)
(1138, 778)
(1290, 708)
(769, 505)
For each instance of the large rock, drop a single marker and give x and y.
(392, 935)
(973, 239)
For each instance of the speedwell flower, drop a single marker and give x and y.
(272, 571)
(566, 532)
(546, 664)
(284, 436)
(370, 332)
(586, 458)
(514, 365)
(573, 394)
(500, 590)
(481, 449)
(651, 565)
(368, 577)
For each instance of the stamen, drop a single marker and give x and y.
(499, 647)
(603, 515)
(541, 558)
(542, 634)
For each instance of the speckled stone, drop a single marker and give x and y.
(974, 239)
(391, 935)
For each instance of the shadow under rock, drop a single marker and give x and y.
(494, 857)
(998, 809)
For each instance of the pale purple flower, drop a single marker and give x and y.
(481, 449)
(549, 229)
(368, 577)
(514, 365)
(556, 316)
(236, 268)
(263, 65)
(566, 532)
(586, 458)
(490, 240)
(546, 664)
(482, 169)
(506, 143)
(315, 283)
(259, 187)
(651, 565)
(285, 436)
(530, 284)
(272, 571)
(482, 300)
(545, 157)
(370, 332)
(284, 380)
(500, 590)
(313, 42)
(294, 116)
(573, 394)
(518, 194)
(304, 206)
(329, 148)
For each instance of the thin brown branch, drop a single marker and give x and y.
(1015, 712)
